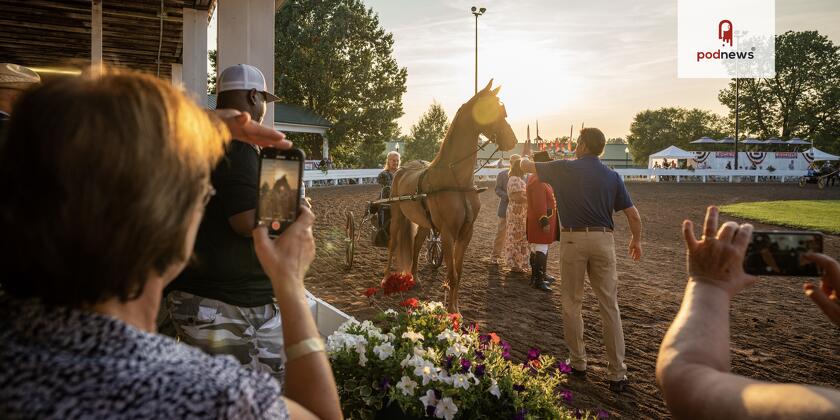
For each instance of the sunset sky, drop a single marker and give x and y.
(562, 62)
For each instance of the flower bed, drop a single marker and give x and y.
(424, 363)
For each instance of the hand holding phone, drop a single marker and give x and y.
(281, 177)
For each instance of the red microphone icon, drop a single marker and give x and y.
(725, 32)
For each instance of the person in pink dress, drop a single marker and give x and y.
(516, 240)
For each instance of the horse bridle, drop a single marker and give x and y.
(490, 139)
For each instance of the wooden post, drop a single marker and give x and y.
(96, 35)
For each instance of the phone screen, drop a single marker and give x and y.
(780, 253)
(279, 197)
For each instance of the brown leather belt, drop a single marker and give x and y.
(586, 229)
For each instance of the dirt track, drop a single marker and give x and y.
(777, 334)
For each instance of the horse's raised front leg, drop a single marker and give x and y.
(419, 239)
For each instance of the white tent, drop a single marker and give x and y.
(672, 152)
(818, 154)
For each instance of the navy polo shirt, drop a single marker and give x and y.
(586, 190)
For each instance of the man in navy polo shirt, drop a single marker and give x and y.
(588, 193)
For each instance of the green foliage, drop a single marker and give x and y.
(803, 100)
(213, 55)
(334, 58)
(823, 215)
(654, 130)
(426, 349)
(616, 140)
(427, 134)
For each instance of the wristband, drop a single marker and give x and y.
(304, 347)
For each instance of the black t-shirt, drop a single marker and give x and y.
(226, 267)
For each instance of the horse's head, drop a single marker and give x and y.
(490, 117)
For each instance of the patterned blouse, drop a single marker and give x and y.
(60, 363)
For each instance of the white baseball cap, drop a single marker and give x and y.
(244, 77)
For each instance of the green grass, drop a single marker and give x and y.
(822, 215)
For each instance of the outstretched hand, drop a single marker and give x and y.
(718, 257)
(827, 296)
(244, 129)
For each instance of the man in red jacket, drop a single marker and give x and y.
(541, 228)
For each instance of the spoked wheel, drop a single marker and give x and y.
(434, 250)
(802, 181)
(822, 182)
(349, 239)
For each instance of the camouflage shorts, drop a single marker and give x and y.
(254, 336)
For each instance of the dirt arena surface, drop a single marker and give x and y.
(777, 334)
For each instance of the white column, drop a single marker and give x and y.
(246, 36)
(325, 146)
(177, 75)
(96, 33)
(194, 67)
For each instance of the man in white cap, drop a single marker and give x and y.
(223, 302)
(14, 79)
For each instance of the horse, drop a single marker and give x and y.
(451, 204)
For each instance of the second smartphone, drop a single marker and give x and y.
(281, 177)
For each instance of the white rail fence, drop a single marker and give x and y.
(368, 176)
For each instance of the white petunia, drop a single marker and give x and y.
(413, 336)
(446, 409)
(456, 349)
(444, 377)
(362, 360)
(390, 312)
(418, 351)
(406, 385)
(431, 353)
(429, 399)
(406, 361)
(427, 371)
(494, 389)
(461, 381)
(384, 350)
(447, 335)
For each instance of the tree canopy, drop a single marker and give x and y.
(803, 100)
(334, 58)
(654, 130)
(426, 135)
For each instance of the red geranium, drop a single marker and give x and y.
(370, 291)
(456, 318)
(397, 282)
(410, 303)
(494, 338)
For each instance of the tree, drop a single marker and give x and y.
(334, 58)
(803, 100)
(427, 133)
(214, 70)
(616, 140)
(654, 130)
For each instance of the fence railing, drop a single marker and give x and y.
(368, 176)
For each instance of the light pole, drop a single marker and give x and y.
(477, 12)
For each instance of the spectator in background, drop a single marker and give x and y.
(225, 288)
(728, 165)
(693, 367)
(791, 165)
(386, 177)
(516, 240)
(92, 254)
(14, 80)
(501, 228)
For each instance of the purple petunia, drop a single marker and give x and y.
(430, 410)
(578, 413)
(567, 396)
(602, 414)
(479, 355)
(564, 367)
(505, 350)
(465, 365)
(448, 364)
(533, 353)
(479, 370)
(385, 383)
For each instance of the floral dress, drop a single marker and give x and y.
(516, 240)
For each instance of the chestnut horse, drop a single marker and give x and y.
(451, 204)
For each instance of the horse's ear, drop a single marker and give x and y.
(496, 91)
(489, 85)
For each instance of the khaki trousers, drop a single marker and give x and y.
(499, 243)
(593, 253)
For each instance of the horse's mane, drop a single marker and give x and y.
(450, 133)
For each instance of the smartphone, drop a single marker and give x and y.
(779, 253)
(281, 177)
(542, 156)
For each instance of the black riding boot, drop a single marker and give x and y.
(539, 282)
(535, 269)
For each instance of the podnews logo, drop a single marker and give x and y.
(726, 34)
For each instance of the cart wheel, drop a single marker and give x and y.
(434, 250)
(350, 239)
(822, 182)
(802, 181)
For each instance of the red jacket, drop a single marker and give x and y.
(540, 202)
